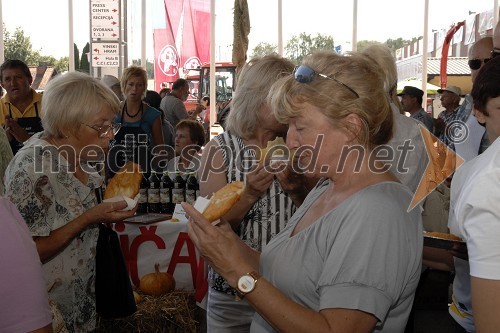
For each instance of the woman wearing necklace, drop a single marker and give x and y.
(141, 124)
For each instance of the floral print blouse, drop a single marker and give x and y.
(49, 196)
(5, 156)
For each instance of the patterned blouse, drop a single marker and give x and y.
(5, 156)
(268, 215)
(48, 196)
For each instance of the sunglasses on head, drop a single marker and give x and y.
(305, 74)
(495, 52)
(477, 63)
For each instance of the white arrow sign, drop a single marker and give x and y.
(105, 19)
(105, 54)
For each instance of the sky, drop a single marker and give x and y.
(46, 21)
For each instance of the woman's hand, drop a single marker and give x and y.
(109, 212)
(219, 245)
(257, 182)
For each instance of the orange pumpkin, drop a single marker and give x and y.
(157, 283)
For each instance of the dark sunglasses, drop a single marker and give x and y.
(495, 52)
(476, 63)
(305, 74)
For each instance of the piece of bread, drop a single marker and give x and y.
(126, 182)
(443, 235)
(222, 200)
(276, 149)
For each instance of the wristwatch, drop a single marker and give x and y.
(246, 283)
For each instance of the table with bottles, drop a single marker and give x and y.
(166, 241)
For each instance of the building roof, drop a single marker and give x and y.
(456, 66)
(41, 76)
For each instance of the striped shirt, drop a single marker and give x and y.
(268, 215)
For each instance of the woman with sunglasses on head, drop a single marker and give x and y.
(269, 199)
(349, 259)
(53, 180)
(141, 124)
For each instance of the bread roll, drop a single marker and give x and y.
(126, 182)
(223, 200)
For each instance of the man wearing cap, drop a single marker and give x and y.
(411, 99)
(450, 100)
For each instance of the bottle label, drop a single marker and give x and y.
(164, 195)
(143, 196)
(190, 196)
(153, 195)
(177, 195)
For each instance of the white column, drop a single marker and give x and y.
(280, 27)
(2, 53)
(495, 13)
(424, 53)
(143, 33)
(71, 37)
(213, 101)
(354, 25)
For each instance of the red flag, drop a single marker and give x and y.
(444, 54)
(185, 43)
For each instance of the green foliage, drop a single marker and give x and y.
(18, 46)
(395, 44)
(150, 67)
(84, 61)
(76, 52)
(300, 46)
(263, 49)
(364, 43)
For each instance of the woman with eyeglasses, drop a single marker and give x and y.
(53, 180)
(141, 124)
(349, 259)
(269, 198)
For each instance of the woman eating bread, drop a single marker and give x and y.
(267, 200)
(349, 258)
(53, 181)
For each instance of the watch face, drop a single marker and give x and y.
(246, 283)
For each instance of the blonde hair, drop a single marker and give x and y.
(254, 82)
(288, 96)
(382, 55)
(71, 99)
(134, 71)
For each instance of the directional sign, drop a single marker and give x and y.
(105, 55)
(105, 19)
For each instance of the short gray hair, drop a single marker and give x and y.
(254, 83)
(71, 99)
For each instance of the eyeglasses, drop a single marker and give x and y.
(305, 74)
(476, 63)
(495, 52)
(104, 130)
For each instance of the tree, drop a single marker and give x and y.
(364, 43)
(76, 52)
(18, 46)
(300, 46)
(150, 67)
(263, 49)
(84, 60)
(395, 44)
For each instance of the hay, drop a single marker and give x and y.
(173, 312)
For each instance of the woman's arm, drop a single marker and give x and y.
(49, 246)
(486, 304)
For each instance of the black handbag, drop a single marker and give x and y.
(114, 293)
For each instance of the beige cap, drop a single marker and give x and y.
(453, 89)
(110, 80)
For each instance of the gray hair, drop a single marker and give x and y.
(254, 82)
(71, 99)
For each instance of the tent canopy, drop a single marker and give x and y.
(431, 89)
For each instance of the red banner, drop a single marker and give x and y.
(185, 43)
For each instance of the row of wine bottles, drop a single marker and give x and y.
(161, 194)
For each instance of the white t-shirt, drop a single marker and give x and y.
(475, 217)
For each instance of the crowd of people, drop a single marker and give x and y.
(322, 241)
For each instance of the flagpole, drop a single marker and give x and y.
(213, 101)
(2, 52)
(71, 37)
(280, 27)
(143, 34)
(424, 54)
(355, 25)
